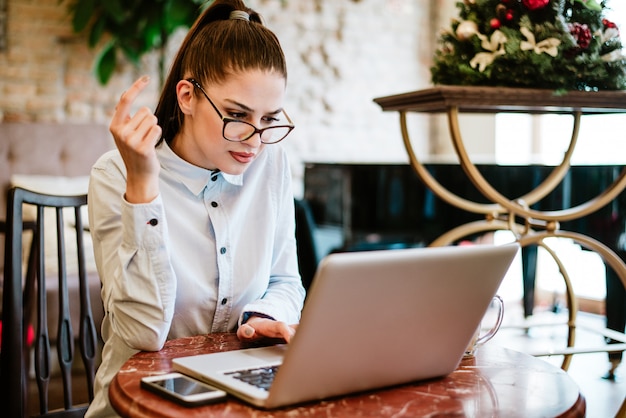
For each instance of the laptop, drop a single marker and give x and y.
(372, 319)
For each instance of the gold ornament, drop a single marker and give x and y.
(495, 45)
(466, 30)
(549, 46)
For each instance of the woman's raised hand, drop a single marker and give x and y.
(135, 137)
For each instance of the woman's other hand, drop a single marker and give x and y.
(135, 137)
(256, 328)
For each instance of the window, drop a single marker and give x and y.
(521, 139)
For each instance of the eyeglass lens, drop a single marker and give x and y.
(240, 131)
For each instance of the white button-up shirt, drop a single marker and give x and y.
(210, 248)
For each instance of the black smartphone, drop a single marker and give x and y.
(183, 389)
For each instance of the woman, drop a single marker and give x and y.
(193, 215)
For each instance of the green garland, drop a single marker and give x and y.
(553, 44)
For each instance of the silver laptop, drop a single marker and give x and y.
(372, 319)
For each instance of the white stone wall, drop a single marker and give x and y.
(341, 55)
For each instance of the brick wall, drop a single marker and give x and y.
(341, 54)
(45, 72)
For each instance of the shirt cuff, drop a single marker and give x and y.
(246, 315)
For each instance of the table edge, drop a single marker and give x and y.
(480, 99)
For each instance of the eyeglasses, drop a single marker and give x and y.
(238, 131)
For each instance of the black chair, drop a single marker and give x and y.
(21, 297)
(307, 254)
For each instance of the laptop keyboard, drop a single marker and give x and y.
(261, 377)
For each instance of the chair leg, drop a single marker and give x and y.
(529, 271)
(610, 374)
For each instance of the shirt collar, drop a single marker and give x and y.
(194, 177)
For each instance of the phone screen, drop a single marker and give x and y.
(183, 389)
(184, 386)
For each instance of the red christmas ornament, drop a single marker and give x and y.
(608, 24)
(495, 23)
(581, 33)
(535, 4)
(509, 15)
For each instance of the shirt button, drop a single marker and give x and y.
(224, 301)
(223, 250)
(214, 204)
(153, 222)
(214, 178)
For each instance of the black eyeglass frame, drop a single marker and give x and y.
(227, 120)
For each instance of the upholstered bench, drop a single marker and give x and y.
(55, 159)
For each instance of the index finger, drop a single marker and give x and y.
(122, 110)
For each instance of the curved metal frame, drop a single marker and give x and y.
(501, 214)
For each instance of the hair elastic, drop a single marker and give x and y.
(239, 14)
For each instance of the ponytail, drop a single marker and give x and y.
(220, 43)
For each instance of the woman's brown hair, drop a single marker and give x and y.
(215, 47)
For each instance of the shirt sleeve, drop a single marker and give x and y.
(132, 257)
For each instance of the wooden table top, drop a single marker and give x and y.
(476, 99)
(497, 382)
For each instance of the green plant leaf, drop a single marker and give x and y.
(96, 32)
(591, 5)
(83, 12)
(178, 14)
(131, 52)
(105, 63)
(114, 10)
(135, 27)
(153, 30)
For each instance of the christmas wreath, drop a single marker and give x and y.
(553, 44)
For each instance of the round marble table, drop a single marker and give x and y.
(497, 382)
